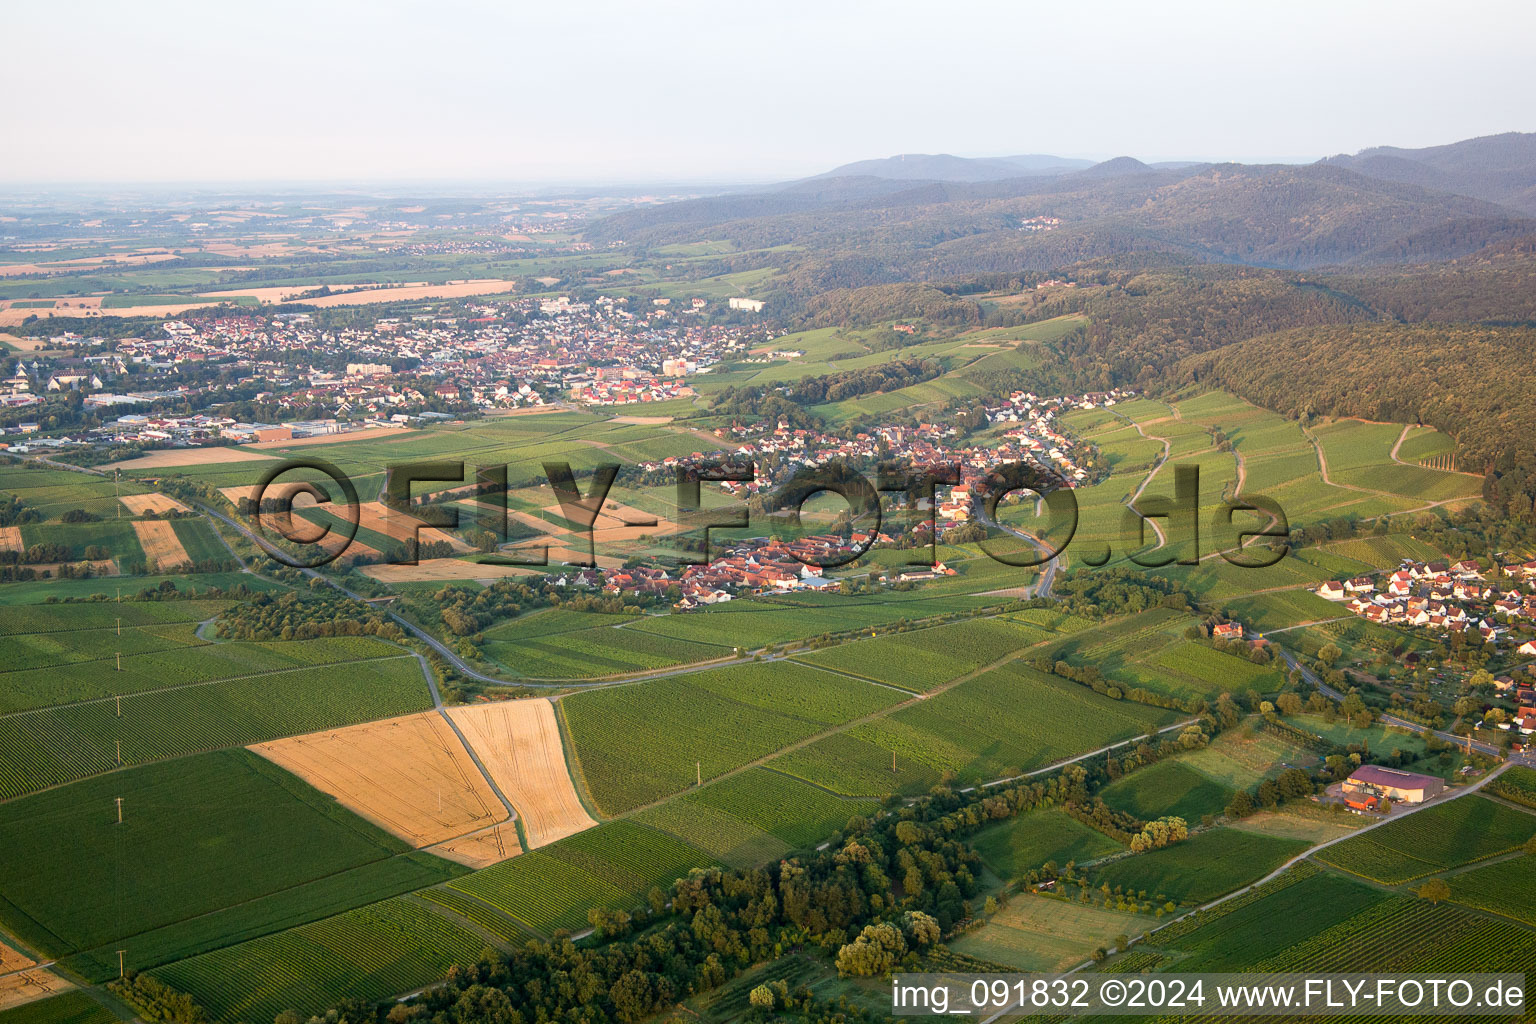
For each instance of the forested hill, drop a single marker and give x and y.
(867, 232)
(1475, 383)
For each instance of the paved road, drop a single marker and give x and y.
(1042, 586)
(1401, 723)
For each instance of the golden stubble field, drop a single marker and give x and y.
(519, 743)
(411, 776)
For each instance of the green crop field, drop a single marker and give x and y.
(1028, 841)
(752, 624)
(67, 1008)
(160, 670)
(799, 814)
(199, 836)
(1007, 720)
(1517, 784)
(1461, 831)
(199, 540)
(723, 836)
(371, 953)
(1207, 865)
(1506, 888)
(113, 536)
(1168, 788)
(52, 492)
(923, 659)
(48, 746)
(638, 743)
(630, 856)
(543, 892)
(595, 653)
(851, 766)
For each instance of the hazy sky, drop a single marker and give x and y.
(646, 90)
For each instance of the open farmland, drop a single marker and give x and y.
(68, 1008)
(1165, 789)
(792, 810)
(373, 952)
(47, 746)
(594, 653)
(1028, 841)
(1045, 934)
(635, 744)
(1204, 866)
(410, 776)
(1506, 888)
(1007, 720)
(224, 832)
(1455, 832)
(922, 659)
(101, 677)
(162, 547)
(520, 745)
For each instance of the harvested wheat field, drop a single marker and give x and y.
(411, 776)
(190, 457)
(280, 490)
(372, 433)
(442, 569)
(138, 504)
(645, 421)
(482, 849)
(519, 743)
(10, 539)
(161, 545)
(397, 526)
(11, 960)
(29, 987)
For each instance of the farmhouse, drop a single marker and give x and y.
(1405, 787)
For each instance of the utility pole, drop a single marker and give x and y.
(893, 762)
(698, 772)
(119, 753)
(119, 625)
(121, 972)
(119, 661)
(119, 810)
(119, 699)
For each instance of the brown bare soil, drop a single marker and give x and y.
(482, 849)
(29, 987)
(397, 526)
(191, 457)
(519, 743)
(138, 504)
(399, 433)
(411, 776)
(12, 960)
(442, 569)
(161, 545)
(10, 539)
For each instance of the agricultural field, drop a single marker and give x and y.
(922, 659)
(53, 492)
(729, 839)
(1028, 841)
(519, 744)
(594, 653)
(543, 893)
(208, 847)
(1207, 865)
(850, 766)
(47, 746)
(372, 953)
(1168, 789)
(635, 744)
(410, 776)
(1517, 784)
(1045, 934)
(1452, 833)
(1007, 721)
(793, 811)
(1505, 887)
(68, 1008)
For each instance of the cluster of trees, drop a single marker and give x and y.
(1155, 835)
(889, 376)
(323, 611)
(14, 511)
(1109, 593)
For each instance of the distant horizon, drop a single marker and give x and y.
(481, 184)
